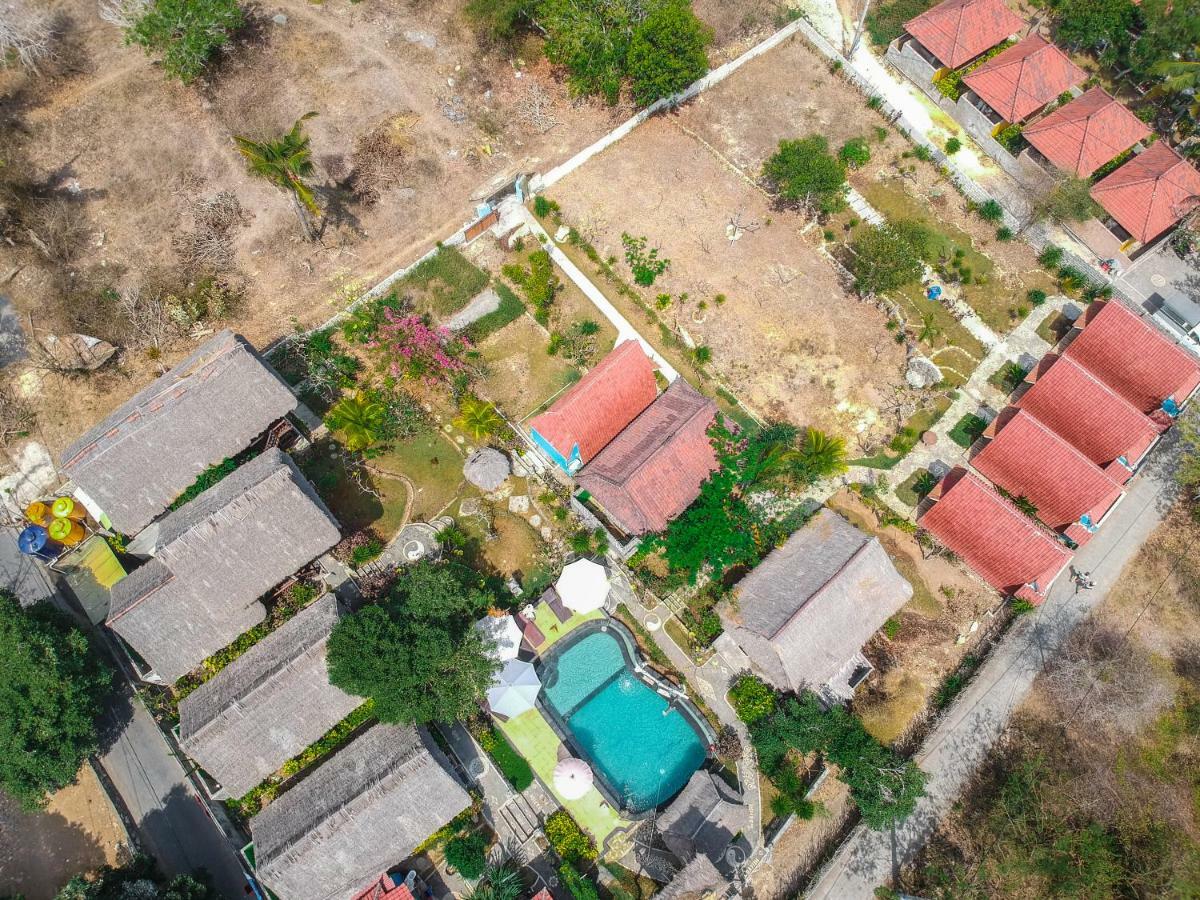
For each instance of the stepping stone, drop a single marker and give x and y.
(535, 520)
(518, 503)
(546, 532)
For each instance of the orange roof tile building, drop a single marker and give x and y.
(957, 31)
(1149, 194)
(1019, 81)
(1091, 130)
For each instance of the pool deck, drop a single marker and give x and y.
(535, 740)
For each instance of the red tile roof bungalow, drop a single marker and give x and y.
(1149, 194)
(956, 31)
(1025, 458)
(1019, 81)
(1134, 358)
(1086, 133)
(1083, 410)
(652, 471)
(1005, 547)
(386, 888)
(593, 412)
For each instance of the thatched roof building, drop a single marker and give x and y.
(213, 405)
(359, 814)
(487, 469)
(214, 558)
(698, 880)
(805, 612)
(704, 818)
(268, 704)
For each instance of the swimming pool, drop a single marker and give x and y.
(642, 748)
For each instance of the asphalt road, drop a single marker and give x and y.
(962, 740)
(172, 823)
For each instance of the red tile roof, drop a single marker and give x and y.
(652, 471)
(604, 401)
(1005, 547)
(1085, 411)
(1029, 460)
(1133, 357)
(1151, 192)
(1022, 79)
(385, 889)
(957, 31)
(1088, 132)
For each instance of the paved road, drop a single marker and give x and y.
(959, 744)
(172, 824)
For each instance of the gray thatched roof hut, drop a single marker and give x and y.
(698, 880)
(214, 558)
(267, 705)
(212, 405)
(359, 814)
(704, 818)
(487, 469)
(806, 610)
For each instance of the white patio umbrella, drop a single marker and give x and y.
(583, 585)
(572, 778)
(504, 632)
(514, 689)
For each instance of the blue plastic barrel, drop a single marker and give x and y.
(35, 541)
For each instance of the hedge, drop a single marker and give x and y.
(511, 308)
(511, 764)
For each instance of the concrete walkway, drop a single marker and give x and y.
(625, 329)
(974, 722)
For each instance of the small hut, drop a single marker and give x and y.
(487, 469)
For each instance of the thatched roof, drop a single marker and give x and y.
(698, 880)
(359, 814)
(487, 469)
(214, 557)
(703, 818)
(212, 405)
(267, 705)
(812, 603)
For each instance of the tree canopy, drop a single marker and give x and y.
(668, 52)
(52, 685)
(187, 33)
(885, 257)
(805, 172)
(138, 879)
(417, 654)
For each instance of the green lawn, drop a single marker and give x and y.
(432, 464)
(353, 507)
(444, 283)
(907, 489)
(967, 430)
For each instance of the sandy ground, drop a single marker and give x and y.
(77, 832)
(790, 341)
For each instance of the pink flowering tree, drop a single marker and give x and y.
(415, 350)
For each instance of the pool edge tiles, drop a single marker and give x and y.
(617, 757)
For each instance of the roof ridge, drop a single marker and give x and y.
(1042, 531)
(1050, 432)
(828, 581)
(1097, 381)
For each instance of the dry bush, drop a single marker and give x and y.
(208, 246)
(124, 14)
(26, 35)
(1102, 678)
(16, 415)
(536, 109)
(380, 157)
(57, 227)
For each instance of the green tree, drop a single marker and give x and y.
(1070, 200)
(500, 20)
(821, 455)
(930, 329)
(360, 420)
(186, 33)
(52, 688)
(591, 40)
(856, 152)
(668, 51)
(478, 418)
(498, 882)
(468, 854)
(417, 654)
(137, 879)
(1095, 24)
(286, 162)
(805, 173)
(884, 258)
(1170, 31)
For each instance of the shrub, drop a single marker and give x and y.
(967, 430)
(881, 133)
(568, 839)
(1050, 257)
(1004, 233)
(752, 698)
(923, 153)
(468, 854)
(991, 211)
(668, 51)
(513, 766)
(875, 102)
(1070, 278)
(1036, 296)
(543, 206)
(953, 145)
(645, 264)
(803, 172)
(186, 33)
(891, 628)
(205, 480)
(1019, 605)
(702, 355)
(580, 887)
(855, 153)
(886, 257)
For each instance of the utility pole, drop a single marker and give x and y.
(858, 30)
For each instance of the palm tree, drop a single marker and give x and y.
(498, 882)
(478, 418)
(359, 419)
(929, 329)
(1181, 78)
(285, 162)
(822, 455)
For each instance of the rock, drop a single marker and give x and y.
(422, 38)
(535, 520)
(279, 19)
(518, 469)
(469, 507)
(922, 372)
(487, 469)
(561, 234)
(546, 533)
(518, 503)
(78, 352)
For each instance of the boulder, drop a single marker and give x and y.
(487, 469)
(922, 372)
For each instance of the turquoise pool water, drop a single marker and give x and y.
(643, 750)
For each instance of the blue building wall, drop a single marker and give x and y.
(570, 466)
